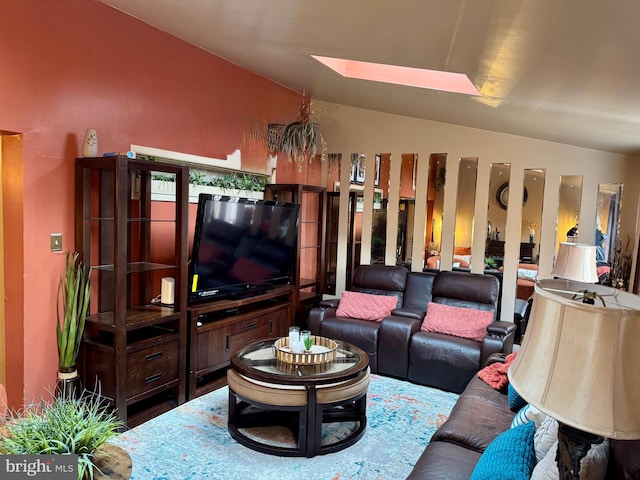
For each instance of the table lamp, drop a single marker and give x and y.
(577, 261)
(579, 363)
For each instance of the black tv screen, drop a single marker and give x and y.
(241, 246)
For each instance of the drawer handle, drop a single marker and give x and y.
(153, 378)
(153, 356)
(249, 326)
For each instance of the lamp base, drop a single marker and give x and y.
(573, 445)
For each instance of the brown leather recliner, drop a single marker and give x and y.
(448, 362)
(373, 279)
(441, 361)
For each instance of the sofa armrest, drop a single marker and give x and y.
(408, 313)
(499, 339)
(318, 314)
(329, 303)
(501, 329)
(393, 345)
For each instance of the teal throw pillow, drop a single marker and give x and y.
(510, 456)
(516, 402)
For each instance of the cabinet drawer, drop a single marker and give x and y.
(151, 367)
(246, 332)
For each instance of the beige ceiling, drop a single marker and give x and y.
(561, 70)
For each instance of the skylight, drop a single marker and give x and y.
(408, 76)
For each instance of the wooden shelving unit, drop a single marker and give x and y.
(308, 277)
(134, 348)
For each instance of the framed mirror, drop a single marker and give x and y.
(380, 205)
(606, 237)
(406, 209)
(435, 205)
(496, 216)
(530, 233)
(465, 210)
(569, 202)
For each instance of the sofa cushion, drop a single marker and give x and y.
(361, 333)
(478, 417)
(365, 306)
(417, 293)
(527, 274)
(474, 290)
(545, 436)
(442, 361)
(461, 322)
(444, 460)
(380, 277)
(509, 457)
(516, 402)
(624, 462)
(526, 414)
(592, 467)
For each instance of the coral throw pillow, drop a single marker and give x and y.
(365, 306)
(458, 321)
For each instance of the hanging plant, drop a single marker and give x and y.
(300, 140)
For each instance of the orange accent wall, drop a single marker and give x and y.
(70, 65)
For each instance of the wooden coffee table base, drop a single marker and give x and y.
(302, 409)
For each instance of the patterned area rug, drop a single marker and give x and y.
(192, 441)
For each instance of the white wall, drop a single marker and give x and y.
(349, 129)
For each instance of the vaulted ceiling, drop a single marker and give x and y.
(559, 70)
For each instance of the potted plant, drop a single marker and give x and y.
(67, 425)
(74, 292)
(300, 140)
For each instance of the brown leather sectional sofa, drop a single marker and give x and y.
(396, 347)
(478, 417)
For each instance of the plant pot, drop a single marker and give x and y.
(68, 384)
(113, 462)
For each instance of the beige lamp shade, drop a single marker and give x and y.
(580, 363)
(576, 261)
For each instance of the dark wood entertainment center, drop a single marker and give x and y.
(146, 356)
(218, 328)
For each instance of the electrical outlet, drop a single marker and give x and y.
(56, 242)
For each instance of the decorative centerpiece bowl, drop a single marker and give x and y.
(323, 350)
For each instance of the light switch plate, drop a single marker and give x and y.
(56, 242)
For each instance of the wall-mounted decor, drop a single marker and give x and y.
(502, 195)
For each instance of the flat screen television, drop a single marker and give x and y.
(241, 247)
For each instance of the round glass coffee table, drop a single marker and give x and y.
(267, 392)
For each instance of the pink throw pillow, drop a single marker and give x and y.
(459, 321)
(365, 306)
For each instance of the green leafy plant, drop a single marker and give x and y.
(308, 342)
(490, 263)
(165, 177)
(237, 181)
(300, 140)
(61, 426)
(241, 181)
(197, 178)
(74, 291)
